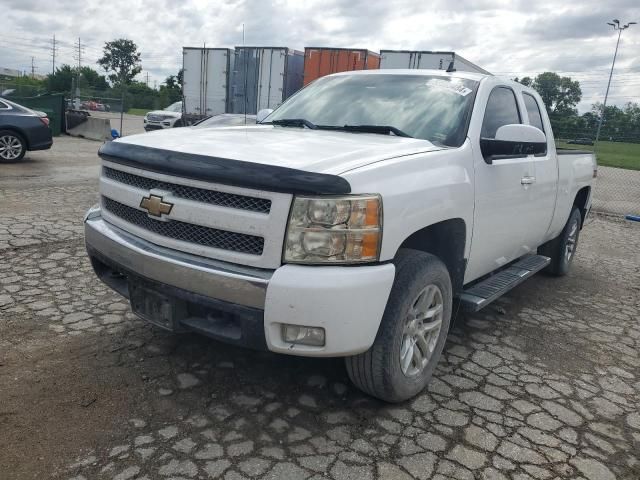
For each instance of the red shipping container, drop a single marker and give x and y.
(319, 61)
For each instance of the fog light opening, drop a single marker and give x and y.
(301, 335)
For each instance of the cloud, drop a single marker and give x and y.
(509, 37)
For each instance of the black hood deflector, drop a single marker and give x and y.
(225, 171)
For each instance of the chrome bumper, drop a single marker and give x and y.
(210, 278)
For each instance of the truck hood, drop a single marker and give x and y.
(319, 151)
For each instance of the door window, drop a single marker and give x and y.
(502, 109)
(533, 110)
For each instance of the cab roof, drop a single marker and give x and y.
(409, 71)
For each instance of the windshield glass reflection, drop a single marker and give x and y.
(427, 107)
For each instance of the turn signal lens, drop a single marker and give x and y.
(334, 230)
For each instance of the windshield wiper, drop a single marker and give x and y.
(294, 122)
(380, 129)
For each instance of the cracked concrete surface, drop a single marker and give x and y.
(543, 385)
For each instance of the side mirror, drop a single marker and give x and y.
(513, 141)
(262, 114)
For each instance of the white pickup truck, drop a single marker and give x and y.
(347, 223)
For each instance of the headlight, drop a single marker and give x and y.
(334, 230)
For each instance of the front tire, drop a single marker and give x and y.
(12, 146)
(562, 249)
(412, 333)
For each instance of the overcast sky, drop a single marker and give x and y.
(509, 38)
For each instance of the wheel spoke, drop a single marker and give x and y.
(425, 328)
(417, 358)
(406, 355)
(424, 300)
(424, 344)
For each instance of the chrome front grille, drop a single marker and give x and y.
(239, 225)
(187, 232)
(224, 199)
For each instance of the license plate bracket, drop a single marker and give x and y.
(154, 307)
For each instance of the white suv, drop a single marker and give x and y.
(168, 118)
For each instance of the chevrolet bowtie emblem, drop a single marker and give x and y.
(155, 206)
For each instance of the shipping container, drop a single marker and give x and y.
(264, 77)
(319, 61)
(205, 83)
(426, 60)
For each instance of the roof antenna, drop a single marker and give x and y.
(450, 68)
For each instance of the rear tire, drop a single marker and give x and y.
(562, 249)
(12, 146)
(412, 333)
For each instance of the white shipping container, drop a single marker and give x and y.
(263, 77)
(426, 60)
(205, 82)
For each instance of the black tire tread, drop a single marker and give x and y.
(366, 370)
(554, 249)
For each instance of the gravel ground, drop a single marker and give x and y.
(545, 384)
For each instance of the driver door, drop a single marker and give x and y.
(503, 196)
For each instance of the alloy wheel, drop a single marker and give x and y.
(421, 331)
(10, 147)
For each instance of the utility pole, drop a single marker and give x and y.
(54, 50)
(33, 67)
(147, 81)
(79, 58)
(79, 54)
(616, 27)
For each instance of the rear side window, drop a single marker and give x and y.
(533, 110)
(4, 106)
(502, 109)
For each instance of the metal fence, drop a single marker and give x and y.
(617, 191)
(617, 187)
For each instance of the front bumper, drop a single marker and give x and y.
(247, 306)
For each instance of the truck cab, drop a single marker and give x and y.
(346, 222)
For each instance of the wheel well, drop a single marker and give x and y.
(19, 132)
(581, 202)
(445, 240)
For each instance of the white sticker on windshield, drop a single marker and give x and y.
(449, 86)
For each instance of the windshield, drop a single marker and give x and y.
(428, 107)
(174, 107)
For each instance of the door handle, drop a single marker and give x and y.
(528, 180)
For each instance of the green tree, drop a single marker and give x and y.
(62, 80)
(526, 81)
(122, 58)
(180, 77)
(93, 79)
(171, 91)
(559, 94)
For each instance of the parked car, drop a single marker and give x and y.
(345, 223)
(226, 120)
(581, 141)
(22, 129)
(168, 118)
